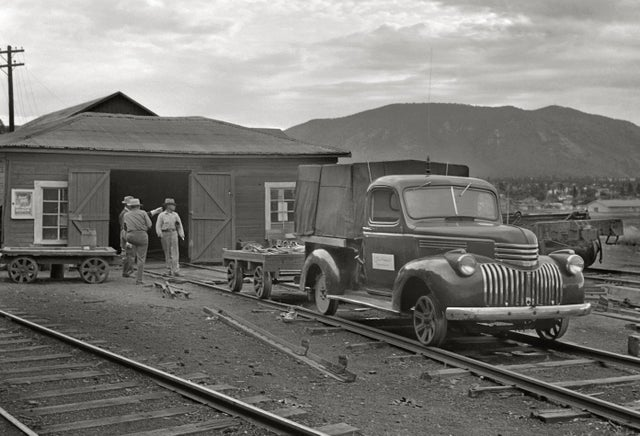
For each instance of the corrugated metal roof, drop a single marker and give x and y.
(178, 135)
(80, 108)
(271, 131)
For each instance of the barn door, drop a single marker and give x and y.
(89, 205)
(211, 216)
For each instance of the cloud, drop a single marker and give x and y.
(281, 62)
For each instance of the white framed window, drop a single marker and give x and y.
(51, 207)
(279, 203)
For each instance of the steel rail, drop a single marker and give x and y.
(594, 353)
(601, 408)
(16, 423)
(219, 400)
(611, 271)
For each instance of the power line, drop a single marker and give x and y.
(10, 65)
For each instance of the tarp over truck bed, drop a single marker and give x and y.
(330, 199)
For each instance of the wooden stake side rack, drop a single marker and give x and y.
(24, 263)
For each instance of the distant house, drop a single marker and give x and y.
(614, 207)
(68, 171)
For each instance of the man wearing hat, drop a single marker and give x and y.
(168, 228)
(126, 249)
(137, 223)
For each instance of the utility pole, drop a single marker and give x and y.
(9, 66)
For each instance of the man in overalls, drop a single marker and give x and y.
(169, 228)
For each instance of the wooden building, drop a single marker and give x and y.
(68, 171)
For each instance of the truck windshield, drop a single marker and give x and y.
(450, 201)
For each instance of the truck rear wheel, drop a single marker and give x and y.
(324, 304)
(429, 322)
(553, 330)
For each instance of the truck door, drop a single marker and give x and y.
(382, 239)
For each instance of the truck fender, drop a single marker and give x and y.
(420, 277)
(318, 261)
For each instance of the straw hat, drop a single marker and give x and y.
(169, 201)
(126, 199)
(134, 202)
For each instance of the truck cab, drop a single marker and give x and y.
(434, 247)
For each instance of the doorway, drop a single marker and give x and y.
(151, 187)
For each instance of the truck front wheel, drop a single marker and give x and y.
(324, 304)
(429, 322)
(555, 329)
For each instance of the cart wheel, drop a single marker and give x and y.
(94, 270)
(553, 331)
(262, 283)
(235, 275)
(23, 270)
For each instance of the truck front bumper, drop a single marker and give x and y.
(529, 313)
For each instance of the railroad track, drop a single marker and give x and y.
(618, 277)
(620, 369)
(59, 384)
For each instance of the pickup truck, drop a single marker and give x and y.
(427, 241)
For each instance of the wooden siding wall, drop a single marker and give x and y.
(2, 179)
(248, 174)
(119, 105)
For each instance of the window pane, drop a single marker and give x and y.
(274, 217)
(50, 234)
(49, 220)
(49, 207)
(383, 209)
(64, 208)
(63, 233)
(50, 193)
(289, 194)
(64, 194)
(63, 220)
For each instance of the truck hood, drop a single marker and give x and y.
(499, 233)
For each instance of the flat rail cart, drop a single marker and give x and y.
(265, 265)
(24, 263)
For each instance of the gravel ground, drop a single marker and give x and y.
(387, 398)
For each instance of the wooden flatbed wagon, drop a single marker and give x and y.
(24, 263)
(265, 267)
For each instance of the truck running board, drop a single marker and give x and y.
(364, 299)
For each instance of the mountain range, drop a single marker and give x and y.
(493, 141)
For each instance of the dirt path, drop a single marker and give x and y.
(388, 397)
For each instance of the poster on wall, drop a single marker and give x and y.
(22, 204)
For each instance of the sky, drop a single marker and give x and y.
(278, 63)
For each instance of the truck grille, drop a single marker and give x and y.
(504, 286)
(517, 254)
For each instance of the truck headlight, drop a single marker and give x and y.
(574, 264)
(466, 265)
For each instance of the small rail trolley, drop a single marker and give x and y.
(265, 265)
(24, 263)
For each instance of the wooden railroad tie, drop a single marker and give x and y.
(299, 352)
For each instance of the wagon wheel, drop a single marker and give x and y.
(553, 331)
(94, 270)
(23, 270)
(262, 282)
(429, 322)
(235, 275)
